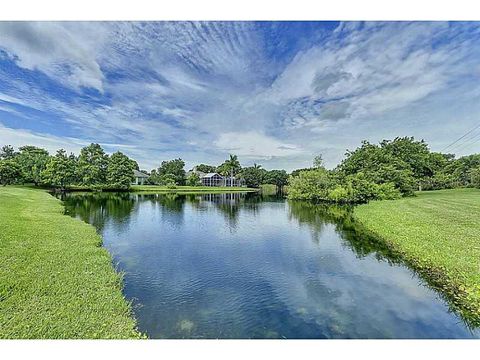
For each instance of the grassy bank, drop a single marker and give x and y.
(56, 281)
(437, 233)
(179, 189)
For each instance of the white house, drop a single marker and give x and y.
(215, 179)
(140, 177)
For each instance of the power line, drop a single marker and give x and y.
(461, 137)
(468, 145)
(466, 140)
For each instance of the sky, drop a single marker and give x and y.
(273, 93)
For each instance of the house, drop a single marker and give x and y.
(212, 179)
(140, 177)
(215, 179)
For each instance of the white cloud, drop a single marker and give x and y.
(172, 89)
(54, 50)
(371, 69)
(20, 137)
(254, 145)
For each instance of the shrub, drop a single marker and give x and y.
(438, 181)
(310, 185)
(194, 180)
(339, 194)
(362, 190)
(388, 191)
(167, 180)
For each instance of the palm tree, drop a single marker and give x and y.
(233, 165)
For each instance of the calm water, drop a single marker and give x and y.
(243, 266)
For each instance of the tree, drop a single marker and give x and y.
(412, 152)
(7, 152)
(120, 171)
(167, 180)
(194, 180)
(380, 165)
(475, 177)
(205, 168)
(10, 172)
(296, 172)
(230, 167)
(60, 170)
(253, 175)
(461, 167)
(175, 169)
(32, 161)
(92, 165)
(311, 185)
(318, 161)
(153, 178)
(276, 177)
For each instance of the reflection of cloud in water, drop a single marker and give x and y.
(244, 267)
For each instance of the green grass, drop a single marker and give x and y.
(438, 234)
(191, 189)
(56, 281)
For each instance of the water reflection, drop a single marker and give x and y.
(252, 266)
(97, 208)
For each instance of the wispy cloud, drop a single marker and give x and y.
(275, 92)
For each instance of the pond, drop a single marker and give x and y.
(247, 266)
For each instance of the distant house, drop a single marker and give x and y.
(212, 179)
(140, 177)
(215, 179)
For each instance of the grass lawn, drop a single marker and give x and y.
(206, 189)
(56, 281)
(438, 233)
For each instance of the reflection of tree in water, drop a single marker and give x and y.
(364, 243)
(231, 204)
(97, 208)
(253, 201)
(316, 216)
(172, 202)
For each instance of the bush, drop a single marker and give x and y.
(339, 194)
(388, 191)
(167, 180)
(361, 189)
(324, 185)
(194, 180)
(311, 185)
(437, 182)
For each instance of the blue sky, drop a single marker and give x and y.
(275, 93)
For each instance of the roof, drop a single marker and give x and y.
(139, 174)
(209, 175)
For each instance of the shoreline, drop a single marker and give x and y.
(439, 269)
(58, 281)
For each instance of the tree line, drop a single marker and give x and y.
(172, 173)
(388, 170)
(92, 168)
